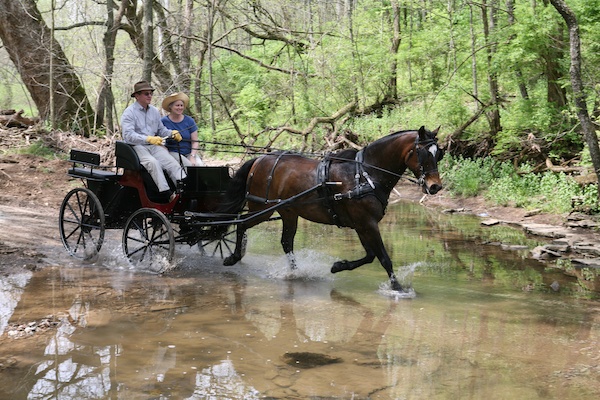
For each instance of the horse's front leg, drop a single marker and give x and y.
(372, 240)
(346, 265)
(370, 237)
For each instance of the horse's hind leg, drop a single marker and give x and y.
(237, 253)
(290, 226)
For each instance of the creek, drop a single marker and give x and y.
(482, 320)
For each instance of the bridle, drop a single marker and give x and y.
(422, 149)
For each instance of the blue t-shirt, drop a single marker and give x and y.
(185, 128)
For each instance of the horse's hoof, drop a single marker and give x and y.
(231, 260)
(397, 287)
(339, 266)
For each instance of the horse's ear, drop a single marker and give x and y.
(422, 133)
(435, 132)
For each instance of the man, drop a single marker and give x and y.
(141, 127)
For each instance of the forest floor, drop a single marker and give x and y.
(32, 188)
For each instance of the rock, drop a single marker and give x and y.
(454, 210)
(586, 262)
(531, 213)
(513, 247)
(561, 248)
(490, 222)
(593, 249)
(582, 224)
(545, 230)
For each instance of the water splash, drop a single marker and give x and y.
(404, 274)
(310, 265)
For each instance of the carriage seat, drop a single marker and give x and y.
(86, 165)
(126, 157)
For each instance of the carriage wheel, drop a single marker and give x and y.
(81, 223)
(148, 236)
(223, 246)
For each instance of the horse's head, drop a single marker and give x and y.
(423, 160)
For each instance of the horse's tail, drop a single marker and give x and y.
(235, 196)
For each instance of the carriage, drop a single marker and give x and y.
(214, 209)
(125, 197)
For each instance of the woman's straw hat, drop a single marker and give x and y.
(166, 104)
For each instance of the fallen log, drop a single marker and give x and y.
(15, 119)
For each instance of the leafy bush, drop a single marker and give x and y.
(465, 177)
(501, 184)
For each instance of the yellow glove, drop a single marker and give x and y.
(176, 135)
(157, 140)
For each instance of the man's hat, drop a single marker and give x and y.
(173, 98)
(140, 86)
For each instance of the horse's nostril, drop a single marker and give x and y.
(433, 189)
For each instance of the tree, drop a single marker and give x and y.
(576, 83)
(31, 48)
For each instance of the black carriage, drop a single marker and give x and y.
(125, 197)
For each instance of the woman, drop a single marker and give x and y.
(186, 151)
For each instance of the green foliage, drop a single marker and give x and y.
(464, 177)
(503, 185)
(38, 148)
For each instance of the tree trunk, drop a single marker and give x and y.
(104, 108)
(576, 83)
(27, 40)
(510, 7)
(148, 41)
(489, 25)
(396, 38)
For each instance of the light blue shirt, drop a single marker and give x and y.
(138, 123)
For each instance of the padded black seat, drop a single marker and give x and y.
(86, 165)
(127, 158)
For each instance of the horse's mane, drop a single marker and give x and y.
(350, 154)
(343, 155)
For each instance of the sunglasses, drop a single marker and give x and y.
(146, 93)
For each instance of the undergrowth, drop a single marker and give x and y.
(502, 184)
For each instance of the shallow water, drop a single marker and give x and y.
(480, 321)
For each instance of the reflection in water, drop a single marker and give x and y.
(11, 288)
(62, 377)
(206, 331)
(221, 378)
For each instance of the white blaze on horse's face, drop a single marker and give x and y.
(433, 149)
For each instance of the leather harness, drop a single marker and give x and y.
(363, 186)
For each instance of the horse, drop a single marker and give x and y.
(349, 189)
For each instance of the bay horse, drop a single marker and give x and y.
(348, 189)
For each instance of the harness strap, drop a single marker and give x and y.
(270, 177)
(324, 192)
(361, 189)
